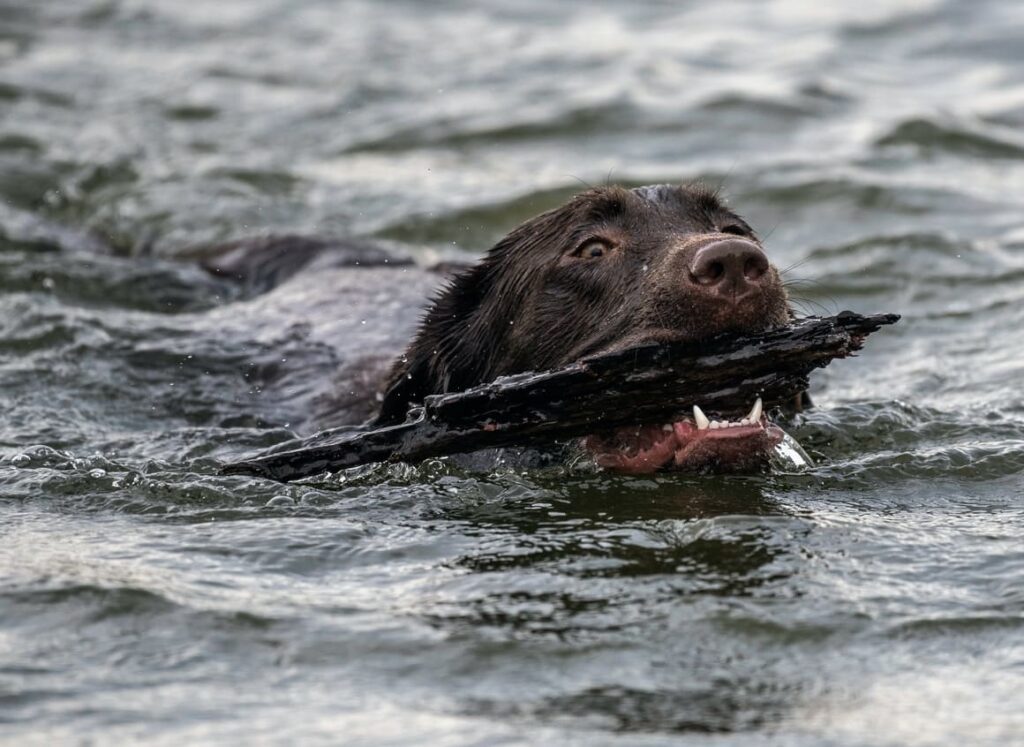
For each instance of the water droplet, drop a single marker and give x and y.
(21, 460)
(97, 473)
(790, 455)
(280, 500)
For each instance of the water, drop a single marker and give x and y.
(873, 600)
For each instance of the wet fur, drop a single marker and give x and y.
(530, 304)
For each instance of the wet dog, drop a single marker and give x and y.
(610, 269)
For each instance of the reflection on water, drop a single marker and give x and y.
(872, 598)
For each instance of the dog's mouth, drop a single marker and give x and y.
(697, 444)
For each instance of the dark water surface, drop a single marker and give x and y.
(877, 599)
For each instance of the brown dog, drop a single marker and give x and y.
(610, 269)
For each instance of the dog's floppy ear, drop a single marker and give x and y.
(463, 338)
(451, 350)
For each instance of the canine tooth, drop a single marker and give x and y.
(700, 419)
(755, 411)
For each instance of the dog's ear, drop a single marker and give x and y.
(451, 351)
(463, 337)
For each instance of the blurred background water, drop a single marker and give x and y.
(877, 599)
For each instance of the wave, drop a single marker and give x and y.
(930, 136)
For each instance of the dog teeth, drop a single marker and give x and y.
(703, 424)
(667, 428)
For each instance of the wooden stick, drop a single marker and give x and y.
(654, 383)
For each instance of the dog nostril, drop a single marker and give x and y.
(755, 267)
(712, 272)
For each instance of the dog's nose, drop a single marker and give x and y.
(731, 268)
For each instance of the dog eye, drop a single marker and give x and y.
(592, 249)
(734, 229)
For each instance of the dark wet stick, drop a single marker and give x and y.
(646, 384)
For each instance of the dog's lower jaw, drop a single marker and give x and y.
(687, 445)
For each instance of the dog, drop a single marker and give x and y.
(610, 269)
